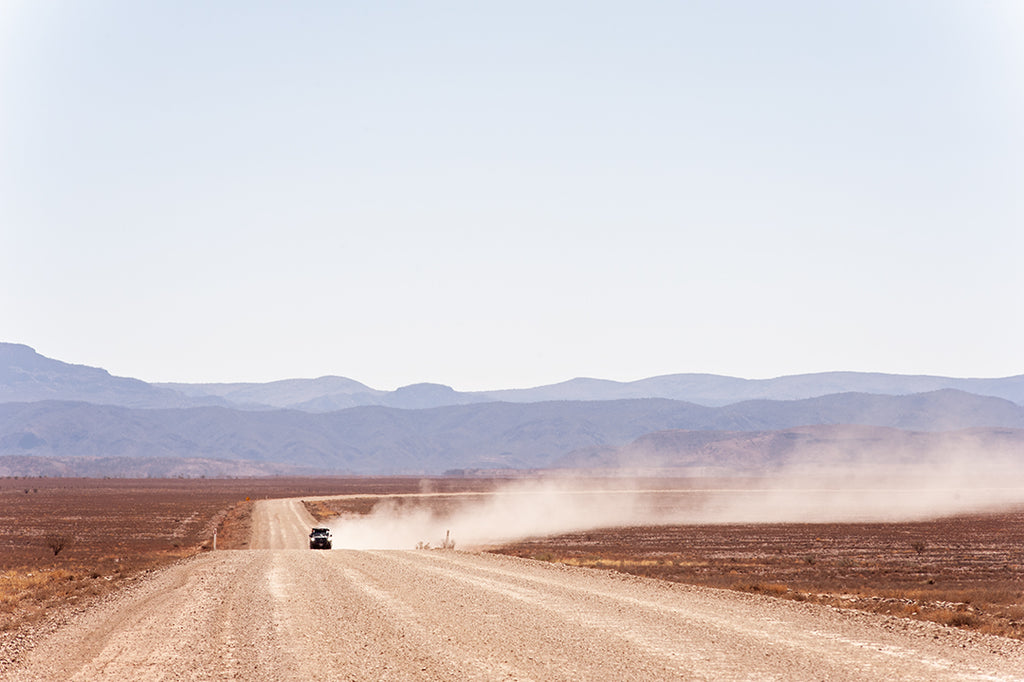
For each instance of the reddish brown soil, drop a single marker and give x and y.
(966, 571)
(106, 531)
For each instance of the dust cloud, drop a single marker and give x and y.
(516, 511)
(559, 505)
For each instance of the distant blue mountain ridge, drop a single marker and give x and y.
(26, 376)
(70, 420)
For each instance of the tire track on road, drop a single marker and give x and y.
(721, 616)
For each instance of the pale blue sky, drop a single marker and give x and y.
(491, 196)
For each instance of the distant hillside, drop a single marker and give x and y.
(143, 467)
(327, 394)
(335, 393)
(832, 449)
(381, 440)
(26, 376)
(714, 391)
(70, 419)
(331, 392)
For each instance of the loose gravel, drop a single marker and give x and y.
(276, 613)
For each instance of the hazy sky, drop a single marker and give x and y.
(493, 195)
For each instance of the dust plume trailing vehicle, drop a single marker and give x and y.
(320, 538)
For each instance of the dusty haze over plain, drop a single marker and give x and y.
(548, 507)
(494, 197)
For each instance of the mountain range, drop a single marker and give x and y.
(63, 419)
(26, 376)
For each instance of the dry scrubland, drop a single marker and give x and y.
(965, 571)
(65, 541)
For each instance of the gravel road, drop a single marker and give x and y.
(282, 612)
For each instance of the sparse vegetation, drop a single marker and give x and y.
(971, 576)
(447, 543)
(57, 542)
(69, 540)
(964, 571)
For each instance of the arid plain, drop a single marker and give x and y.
(68, 542)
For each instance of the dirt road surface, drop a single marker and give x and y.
(283, 612)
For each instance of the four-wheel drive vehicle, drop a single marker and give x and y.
(320, 538)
